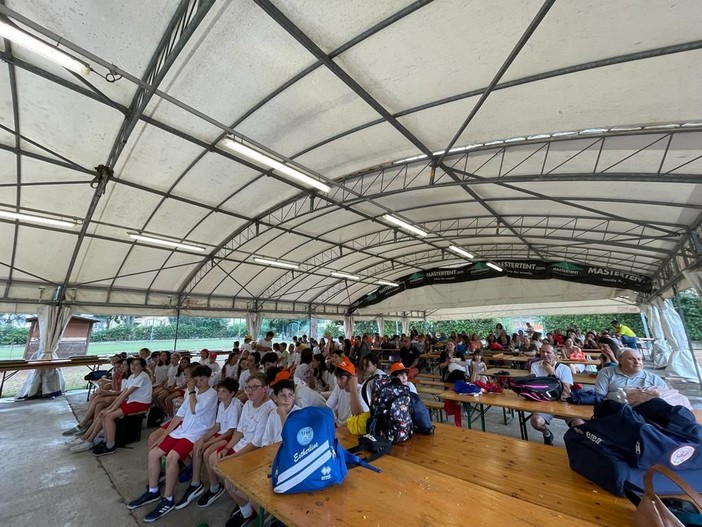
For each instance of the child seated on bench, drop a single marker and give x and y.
(134, 398)
(228, 413)
(195, 417)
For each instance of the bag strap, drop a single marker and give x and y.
(648, 484)
(353, 461)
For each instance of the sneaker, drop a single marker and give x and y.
(147, 497)
(186, 474)
(98, 446)
(548, 438)
(76, 430)
(102, 450)
(164, 507)
(190, 494)
(235, 511)
(74, 441)
(83, 446)
(239, 521)
(209, 497)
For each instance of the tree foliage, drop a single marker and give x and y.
(596, 322)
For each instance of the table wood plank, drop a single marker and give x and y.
(403, 494)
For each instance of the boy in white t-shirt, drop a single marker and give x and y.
(247, 437)
(228, 413)
(284, 396)
(346, 399)
(195, 417)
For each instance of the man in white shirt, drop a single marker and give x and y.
(195, 417)
(545, 367)
(266, 343)
(346, 399)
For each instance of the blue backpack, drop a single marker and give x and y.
(310, 457)
(467, 388)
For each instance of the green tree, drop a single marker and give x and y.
(596, 322)
(692, 308)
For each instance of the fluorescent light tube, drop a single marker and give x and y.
(25, 40)
(404, 225)
(263, 159)
(460, 251)
(385, 282)
(166, 243)
(493, 266)
(344, 275)
(31, 218)
(276, 263)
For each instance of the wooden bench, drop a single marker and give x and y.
(436, 408)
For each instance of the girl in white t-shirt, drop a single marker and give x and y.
(284, 397)
(161, 368)
(135, 397)
(216, 438)
(230, 368)
(477, 366)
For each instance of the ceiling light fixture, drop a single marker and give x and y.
(344, 275)
(385, 282)
(494, 266)
(264, 159)
(462, 252)
(42, 220)
(404, 225)
(25, 40)
(276, 263)
(166, 243)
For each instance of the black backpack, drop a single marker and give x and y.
(390, 410)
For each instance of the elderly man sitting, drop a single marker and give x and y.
(628, 375)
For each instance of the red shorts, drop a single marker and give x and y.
(182, 446)
(134, 408)
(167, 423)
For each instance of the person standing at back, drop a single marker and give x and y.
(626, 335)
(409, 356)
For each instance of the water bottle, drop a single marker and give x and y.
(621, 396)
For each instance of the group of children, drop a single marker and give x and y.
(231, 418)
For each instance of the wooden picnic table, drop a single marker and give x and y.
(429, 382)
(403, 493)
(531, 472)
(579, 378)
(10, 368)
(510, 400)
(501, 357)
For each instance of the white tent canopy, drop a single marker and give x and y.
(561, 131)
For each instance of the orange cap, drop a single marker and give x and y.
(397, 367)
(347, 367)
(282, 376)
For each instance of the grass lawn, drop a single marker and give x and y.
(110, 348)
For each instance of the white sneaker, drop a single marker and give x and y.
(83, 446)
(74, 441)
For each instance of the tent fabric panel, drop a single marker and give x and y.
(154, 158)
(654, 90)
(56, 251)
(131, 31)
(213, 179)
(125, 206)
(254, 198)
(220, 54)
(176, 219)
(485, 294)
(596, 29)
(438, 44)
(80, 129)
(215, 228)
(36, 171)
(171, 279)
(366, 148)
(70, 200)
(98, 260)
(332, 23)
(683, 154)
(313, 109)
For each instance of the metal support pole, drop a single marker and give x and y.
(175, 340)
(645, 325)
(678, 305)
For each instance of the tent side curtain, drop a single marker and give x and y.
(52, 324)
(253, 323)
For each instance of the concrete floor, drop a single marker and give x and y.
(43, 484)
